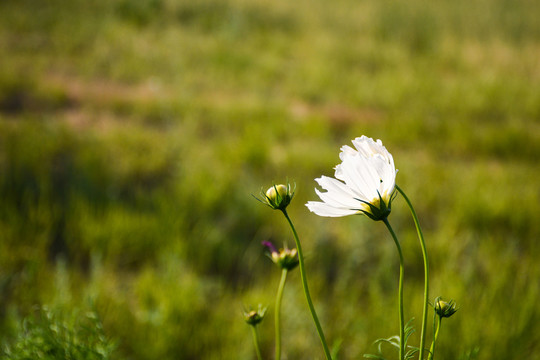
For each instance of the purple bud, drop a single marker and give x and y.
(270, 246)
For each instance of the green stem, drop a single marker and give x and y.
(256, 341)
(400, 293)
(426, 274)
(306, 289)
(432, 349)
(279, 296)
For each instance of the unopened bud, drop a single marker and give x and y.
(444, 308)
(278, 197)
(284, 258)
(254, 317)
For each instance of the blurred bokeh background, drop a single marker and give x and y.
(133, 134)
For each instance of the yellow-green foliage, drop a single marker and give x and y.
(133, 133)
(51, 335)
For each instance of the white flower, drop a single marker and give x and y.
(364, 184)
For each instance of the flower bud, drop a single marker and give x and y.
(284, 258)
(444, 308)
(254, 317)
(278, 197)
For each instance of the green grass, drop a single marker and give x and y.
(133, 133)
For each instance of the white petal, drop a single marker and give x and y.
(340, 193)
(390, 185)
(336, 201)
(339, 173)
(323, 209)
(360, 175)
(368, 147)
(382, 168)
(387, 174)
(346, 150)
(365, 146)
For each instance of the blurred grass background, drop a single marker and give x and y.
(133, 133)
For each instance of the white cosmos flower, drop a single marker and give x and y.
(364, 183)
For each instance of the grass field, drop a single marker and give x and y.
(133, 134)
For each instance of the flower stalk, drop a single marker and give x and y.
(255, 333)
(435, 337)
(279, 297)
(426, 274)
(286, 259)
(400, 292)
(306, 288)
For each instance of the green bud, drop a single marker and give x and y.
(276, 192)
(278, 197)
(444, 308)
(254, 317)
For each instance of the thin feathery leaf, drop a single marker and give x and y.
(371, 356)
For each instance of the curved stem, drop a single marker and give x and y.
(306, 289)
(256, 341)
(400, 293)
(279, 296)
(426, 274)
(432, 349)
